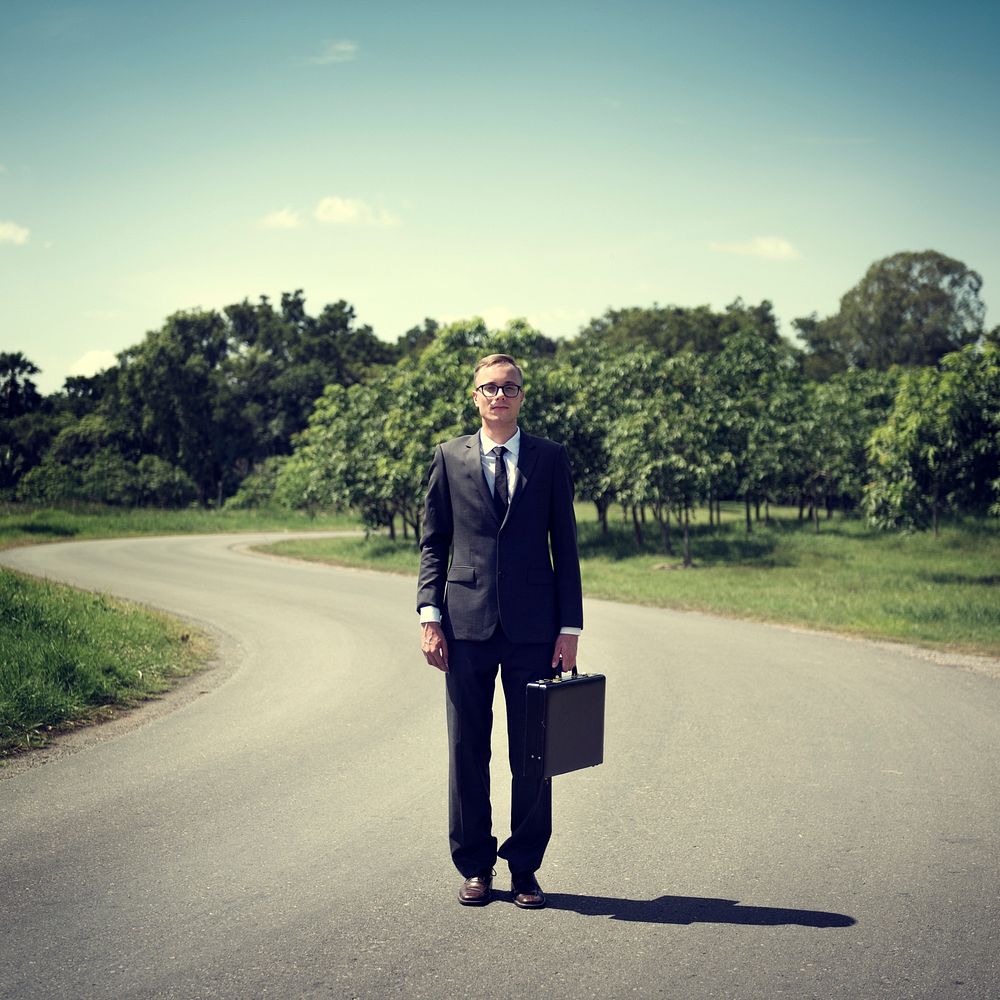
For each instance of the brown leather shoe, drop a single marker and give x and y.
(477, 890)
(527, 892)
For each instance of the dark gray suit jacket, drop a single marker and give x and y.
(481, 573)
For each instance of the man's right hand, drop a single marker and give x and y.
(434, 645)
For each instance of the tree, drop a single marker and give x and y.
(828, 459)
(27, 420)
(656, 439)
(90, 461)
(939, 449)
(18, 393)
(572, 399)
(82, 394)
(171, 386)
(674, 330)
(756, 392)
(416, 338)
(908, 309)
(218, 393)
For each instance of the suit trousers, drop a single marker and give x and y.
(470, 683)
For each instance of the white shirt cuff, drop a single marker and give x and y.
(429, 613)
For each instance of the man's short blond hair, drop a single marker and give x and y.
(498, 359)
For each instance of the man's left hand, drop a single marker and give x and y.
(565, 649)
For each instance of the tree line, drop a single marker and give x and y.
(891, 406)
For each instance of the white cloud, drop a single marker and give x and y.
(337, 51)
(11, 232)
(768, 247)
(284, 218)
(93, 362)
(352, 212)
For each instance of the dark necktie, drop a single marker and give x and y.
(501, 495)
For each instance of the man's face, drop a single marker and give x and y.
(498, 411)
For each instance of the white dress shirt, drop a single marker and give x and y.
(489, 460)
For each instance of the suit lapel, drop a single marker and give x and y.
(475, 471)
(526, 460)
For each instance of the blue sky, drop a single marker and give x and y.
(548, 160)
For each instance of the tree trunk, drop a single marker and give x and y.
(392, 528)
(767, 510)
(665, 531)
(636, 526)
(602, 515)
(802, 506)
(746, 501)
(687, 539)
(815, 510)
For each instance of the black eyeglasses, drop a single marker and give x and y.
(510, 390)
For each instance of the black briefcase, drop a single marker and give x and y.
(564, 725)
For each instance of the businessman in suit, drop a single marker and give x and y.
(499, 586)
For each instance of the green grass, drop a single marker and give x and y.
(374, 552)
(22, 524)
(937, 592)
(69, 657)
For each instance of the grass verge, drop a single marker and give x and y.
(935, 592)
(22, 524)
(68, 657)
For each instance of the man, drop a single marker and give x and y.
(498, 503)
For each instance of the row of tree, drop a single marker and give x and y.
(664, 435)
(186, 414)
(662, 407)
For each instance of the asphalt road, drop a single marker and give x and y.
(780, 814)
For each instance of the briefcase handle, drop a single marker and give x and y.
(559, 671)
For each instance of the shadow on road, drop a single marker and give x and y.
(693, 910)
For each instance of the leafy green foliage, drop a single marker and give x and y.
(368, 448)
(90, 462)
(939, 449)
(672, 330)
(258, 490)
(196, 406)
(26, 425)
(661, 408)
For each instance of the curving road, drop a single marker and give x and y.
(781, 814)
